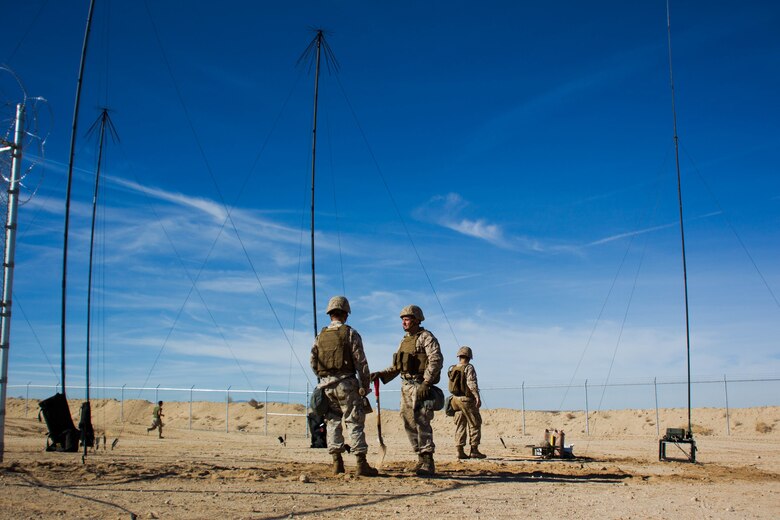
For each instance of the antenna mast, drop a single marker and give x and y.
(102, 123)
(320, 48)
(70, 184)
(318, 42)
(682, 229)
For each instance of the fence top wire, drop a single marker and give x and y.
(525, 385)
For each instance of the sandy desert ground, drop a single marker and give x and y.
(205, 472)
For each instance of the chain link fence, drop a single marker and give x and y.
(648, 394)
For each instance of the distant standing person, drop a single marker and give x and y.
(339, 361)
(157, 416)
(419, 363)
(466, 403)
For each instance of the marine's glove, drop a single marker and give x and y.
(373, 376)
(423, 391)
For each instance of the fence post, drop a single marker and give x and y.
(726, 391)
(523, 394)
(306, 419)
(266, 410)
(657, 421)
(156, 394)
(27, 399)
(227, 408)
(122, 405)
(193, 386)
(587, 411)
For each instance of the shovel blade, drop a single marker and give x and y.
(383, 452)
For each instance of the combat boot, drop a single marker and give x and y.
(461, 453)
(338, 464)
(475, 453)
(420, 461)
(363, 469)
(427, 468)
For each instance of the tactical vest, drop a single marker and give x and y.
(334, 353)
(457, 376)
(407, 360)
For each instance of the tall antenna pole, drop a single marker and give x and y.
(318, 43)
(8, 262)
(105, 123)
(70, 184)
(87, 433)
(682, 229)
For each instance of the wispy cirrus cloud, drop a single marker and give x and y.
(446, 211)
(637, 232)
(217, 211)
(628, 234)
(478, 229)
(250, 224)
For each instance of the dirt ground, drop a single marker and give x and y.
(195, 473)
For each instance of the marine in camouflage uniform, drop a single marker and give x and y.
(157, 416)
(419, 363)
(466, 403)
(339, 361)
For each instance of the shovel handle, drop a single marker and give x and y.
(376, 387)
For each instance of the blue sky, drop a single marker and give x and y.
(514, 157)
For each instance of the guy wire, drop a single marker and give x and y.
(397, 210)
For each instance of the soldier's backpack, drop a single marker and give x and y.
(87, 436)
(319, 402)
(448, 409)
(63, 435)
(317, 428)
(457, 380)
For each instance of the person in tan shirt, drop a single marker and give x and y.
(418, 361)
(338, 359)
(466, 402)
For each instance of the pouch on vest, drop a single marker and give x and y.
(408, 363)
(405, 362)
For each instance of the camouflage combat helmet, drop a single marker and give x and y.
(466, 352)
(413, 310)
(338, 303)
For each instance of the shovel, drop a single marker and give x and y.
(379, 425)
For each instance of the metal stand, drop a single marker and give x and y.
(677, 436)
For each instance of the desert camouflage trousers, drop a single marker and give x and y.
(467, 414)
(347, 405)
(417, 421)
(156, 425)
